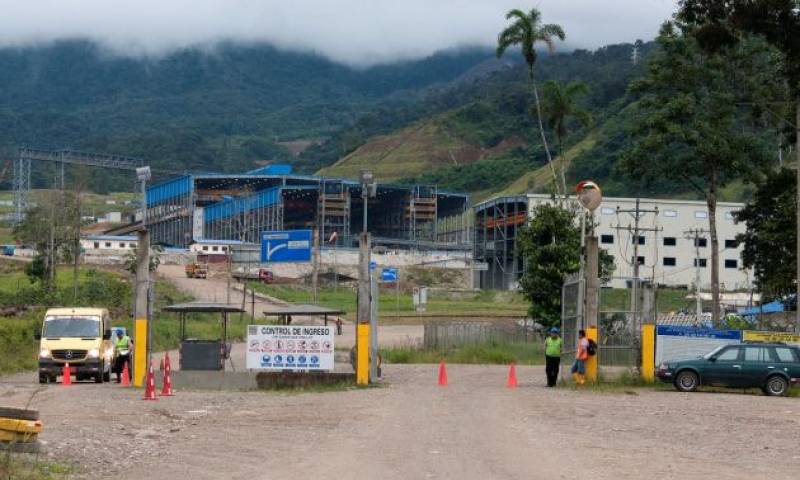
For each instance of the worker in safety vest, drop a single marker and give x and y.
(122, 347)
(552, 356)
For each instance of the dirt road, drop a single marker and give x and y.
(411, 428)
(214, 289)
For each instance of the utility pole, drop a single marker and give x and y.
(315, 266)
(695, 234)
(636, 213)
(142, 327)
(364, 311)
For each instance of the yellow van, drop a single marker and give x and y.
(80, 337)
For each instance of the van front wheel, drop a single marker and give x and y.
(100, 374)
(43, 378)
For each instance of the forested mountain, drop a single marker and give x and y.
(220, 109)
(457, 119)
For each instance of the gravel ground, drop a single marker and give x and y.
(411, 428)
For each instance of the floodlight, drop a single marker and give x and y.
(143, 173)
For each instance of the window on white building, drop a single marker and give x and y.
(701, 262)
(731, 263)
(205, 248)
(641, 240)
(108, 244)
(215, 248)
(700, 242)
(731, 243)
(121, 244)
(700, 214)
(670, 241)
(671, 213)
(607, 239)
(641, 260)
(670, 261)
(607, 211)
(96, 245)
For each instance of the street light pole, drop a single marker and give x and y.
(142, 327)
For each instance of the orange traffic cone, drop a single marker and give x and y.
(167, 364)
(66, 375)
(126, 376)
(442, 375)
(166, 389)
(150, 385)
(512, 376)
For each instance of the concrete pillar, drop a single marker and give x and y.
(141, 327)
(591, 312)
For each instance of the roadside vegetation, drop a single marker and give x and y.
(30, 467)
(531, 353)
(25, 304)
(486, 303)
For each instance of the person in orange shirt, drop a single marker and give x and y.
(581, 355)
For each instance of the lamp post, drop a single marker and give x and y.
(142, 327)
(368, 190)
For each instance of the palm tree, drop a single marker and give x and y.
(560, 105)
(527, 30)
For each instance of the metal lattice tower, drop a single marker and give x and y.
(22, 169)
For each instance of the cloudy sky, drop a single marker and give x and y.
(357, 32)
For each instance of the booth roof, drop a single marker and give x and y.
(301, 310)
(203, 307)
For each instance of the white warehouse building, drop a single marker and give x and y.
(666, 245)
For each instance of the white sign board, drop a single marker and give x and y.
(290, 347)
(678, 342)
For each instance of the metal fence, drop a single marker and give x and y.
(478, 333)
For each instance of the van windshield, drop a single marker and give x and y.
(71, 327)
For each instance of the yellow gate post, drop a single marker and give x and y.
(592, 361)
(140, 352)
(362, 354)
(648, 367)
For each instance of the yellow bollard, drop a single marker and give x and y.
(591, 363)
(140, 352)
(648, 367)
(362, 354)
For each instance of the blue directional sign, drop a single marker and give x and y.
(286, 246)
(373, 265)
(389, 275)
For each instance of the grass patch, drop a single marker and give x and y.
(491, 353)
(30, 467)
(488, 303)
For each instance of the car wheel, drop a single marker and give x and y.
(687, 381)
(777, 386)
(43, 378)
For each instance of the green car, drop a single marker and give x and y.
(772, 367)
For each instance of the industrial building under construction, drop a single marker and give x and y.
(239, 207)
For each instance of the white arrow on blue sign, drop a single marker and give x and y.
(286, 246)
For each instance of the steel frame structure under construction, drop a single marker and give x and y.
(241, 206)
(497, 222)
(22, 169)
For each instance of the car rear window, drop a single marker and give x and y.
(785, 355)
(755, 354)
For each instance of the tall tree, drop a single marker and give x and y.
(690, 124)
(551, 247)
(720, 23)
(561, 106)
(527, 30)
(50, 226)
(771, 233)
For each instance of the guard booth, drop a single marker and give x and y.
(203, 354)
